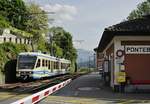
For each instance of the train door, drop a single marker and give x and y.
(59, 66)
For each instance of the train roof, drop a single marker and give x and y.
(44, 55)
(65, 61)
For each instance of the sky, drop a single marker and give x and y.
(87, 19)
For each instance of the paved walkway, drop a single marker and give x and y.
(85, 86)
(89, 89)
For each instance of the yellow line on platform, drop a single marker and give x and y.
(77, 100)
(73, 100)
(7, 95)
(135, 102)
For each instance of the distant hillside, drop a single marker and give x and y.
(84, 56)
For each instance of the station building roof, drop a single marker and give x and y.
(136, 27)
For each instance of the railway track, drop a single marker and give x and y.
(26, 87)
(33, 87)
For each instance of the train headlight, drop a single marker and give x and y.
(30, 72)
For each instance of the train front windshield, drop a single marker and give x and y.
(26, 62)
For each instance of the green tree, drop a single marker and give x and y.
(3, 22)
(14, 11)
(37, 24)
(142, 9)
(41, 45)
(37, 19)
(63, 40)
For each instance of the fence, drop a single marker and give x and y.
(14, 39)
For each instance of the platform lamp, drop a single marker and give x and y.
(94, 60)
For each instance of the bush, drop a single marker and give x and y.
(3, 22)
(9, 51)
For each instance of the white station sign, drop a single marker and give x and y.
(137, 49)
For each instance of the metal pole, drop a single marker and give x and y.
(51, 44)
(94, 61)
(89, 63)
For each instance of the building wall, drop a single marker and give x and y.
(122, 63)
(118, 63)
(99, 60)
(109, 62)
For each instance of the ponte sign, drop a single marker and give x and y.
(137, 49)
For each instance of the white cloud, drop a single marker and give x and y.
(62, 12)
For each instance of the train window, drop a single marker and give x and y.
(61, 66)
(26, 62)
(38, 63)
(52, 65)
(49, 65)
(64, 66)
(57, 65)
(46, 63)
(42, 62)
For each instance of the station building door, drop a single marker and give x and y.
(137, 67)
(108, 71)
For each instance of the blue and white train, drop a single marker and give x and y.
(35, 65)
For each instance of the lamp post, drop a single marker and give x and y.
(90, 62)
(51, 43)
(94, 60)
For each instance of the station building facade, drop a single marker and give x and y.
(126, 53)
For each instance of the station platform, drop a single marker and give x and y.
(90, 89)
